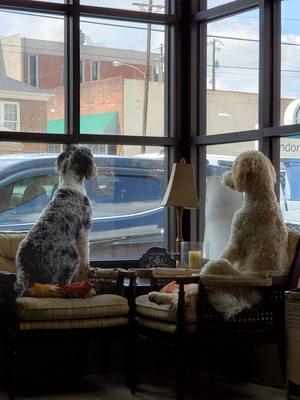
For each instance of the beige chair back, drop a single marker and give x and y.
(9, 243)
(294, 272)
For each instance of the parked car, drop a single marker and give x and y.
(126, 197)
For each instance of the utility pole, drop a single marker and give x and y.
(161, 63)
(215, 63)
(147, 68)
(147, 78)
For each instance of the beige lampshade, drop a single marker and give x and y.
(181, 190)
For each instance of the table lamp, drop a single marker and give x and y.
(181, 193)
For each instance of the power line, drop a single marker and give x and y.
(88, 21)
(249, 40)
(112, 57)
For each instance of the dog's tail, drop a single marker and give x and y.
(21, 282)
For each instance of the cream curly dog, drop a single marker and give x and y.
(258, 240)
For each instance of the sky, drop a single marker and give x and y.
(238, 60)
(235, 55)
(244, 55)
(117, 34)
(290, 86)
(126, 4)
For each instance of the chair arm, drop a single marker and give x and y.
(8, 310)
(107, 280)
(186, 280)
(235, 280)
(281, 281)
(162, 276)
(141, 272)
(173, 273)
(183, 280)
(131, 275)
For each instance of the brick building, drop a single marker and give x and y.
(21, 110)
(103, 73)
(40, 63)
(23, 107)
(112, 94)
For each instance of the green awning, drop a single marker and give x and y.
(106, 123)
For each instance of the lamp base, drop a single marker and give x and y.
(179, 239)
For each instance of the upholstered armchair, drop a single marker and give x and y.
(108, 310)
(202, 324)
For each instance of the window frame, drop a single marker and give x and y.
(36, 70)
(97, 63)
(2, 111)
(82, 70)
(269, 130)
(185, 78)
(98, 146)
(72, 11)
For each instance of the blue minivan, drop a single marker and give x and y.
(126, 195)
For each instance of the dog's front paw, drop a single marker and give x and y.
(220, 266)
(152, 297)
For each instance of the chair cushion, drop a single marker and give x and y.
(152, 310)
(74, 323)
(9, 243)
(293, 239)
(51, 309)
(168, 327)
(162, 312)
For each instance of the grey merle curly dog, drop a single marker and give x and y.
(59, 241)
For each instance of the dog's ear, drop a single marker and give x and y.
(273, 173)
(59, 161)
(243, 168)
(84, 163)
(63, 159)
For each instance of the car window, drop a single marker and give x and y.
(216, 170)
(23, 199)
(117, 192)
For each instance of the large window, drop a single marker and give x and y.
(290, 63)
(232, 73)
(143, 90)
(31, 70)
(221, 202)
(127, 99)
(289, 179)
(246, 88)
(64, 74)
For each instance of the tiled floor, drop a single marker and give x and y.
(111, 388)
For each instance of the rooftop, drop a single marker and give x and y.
(10, 84)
